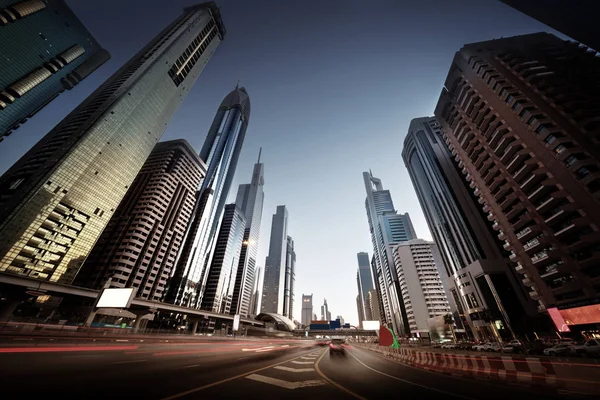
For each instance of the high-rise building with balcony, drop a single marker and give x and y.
(364, 281)
(45, 51)
(422, 291)
(273, 291)
(139, 246)
(307, 309)
(474, 267)
(387, 229)
(250, 198)
(58, 198)
(221, 151)
(520, 116)
(223, 267)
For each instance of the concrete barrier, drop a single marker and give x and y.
(572, 376)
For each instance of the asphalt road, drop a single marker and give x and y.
(245, 369)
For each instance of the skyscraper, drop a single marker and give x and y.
(325, 313)
(577, 19)
(522, 123)
(290, 278)
(364, 281)
(422, 290)
(45, 51)
(307, 309)
(221, 151)
(139, 246)
(253, 310)
(360, 308)
(249, 199)
(223, 267)
(57, 199)
(275, 265)
(387, 228)
(474, 265)
(373, 305)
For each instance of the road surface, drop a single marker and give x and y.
(245, 369)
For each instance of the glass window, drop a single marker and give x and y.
(570, 160)
(550, 139)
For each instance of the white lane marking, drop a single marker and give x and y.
(129, 362)
(285, 384)
(281, 367)
(258, 348)
(409, 382)
(302, 362)
(191, 366)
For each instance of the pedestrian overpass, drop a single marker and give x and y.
(336, 332)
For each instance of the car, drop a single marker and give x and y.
(449, 346)
(588, 348)
(557, 350)
(480, 346)
(514, 346)
(336, 347)
(489, 346)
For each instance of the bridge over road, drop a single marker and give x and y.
(337, 332)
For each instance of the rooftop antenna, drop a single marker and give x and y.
(259, 153)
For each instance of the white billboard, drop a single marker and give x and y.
(370, 325)
(236, 322)
(116, 298)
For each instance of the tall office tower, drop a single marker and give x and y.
(476, 273)
(275, 265)
(325, 313)
(223, 268)
(290, 278)
(422, 290)
(577, 19)
(522, 123)
(373, 305)
(387, 228)
(307, 309)
(139, 246)
(221, 151)
(249, 199)
(57, 199)
(45, 51)
(253, 310)
(360, 309)
(364, 281)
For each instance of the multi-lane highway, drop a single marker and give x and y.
(245, 369)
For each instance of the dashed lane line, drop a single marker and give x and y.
(281, 367)
(410, 382)
(285, 384)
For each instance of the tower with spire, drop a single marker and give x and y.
(220, 152)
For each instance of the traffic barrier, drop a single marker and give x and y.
(579, 377)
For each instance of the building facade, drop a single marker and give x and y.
(387, 229)
(474, 267)
(372, 305)
(421, 286)
(364, 281)
(325, 313)
(576, 19)
(139, 246)
(223, 267)
(307, 309)
(45, 51)
(57, 199)
(275, 265)
(250, 198)
(221, 151)
(253, 310)
(290, 278)
(524, 129)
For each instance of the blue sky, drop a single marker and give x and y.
(333, 85)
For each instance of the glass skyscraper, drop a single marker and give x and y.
(274, 283)
(221, 151)
(45, 51)
(249, 199)
(387, 228)
(364, 281)
(56, 200)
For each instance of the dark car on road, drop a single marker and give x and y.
(336, 347)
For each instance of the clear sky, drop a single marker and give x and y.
(333, 85)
